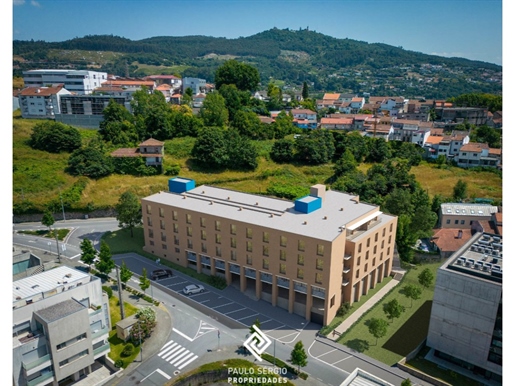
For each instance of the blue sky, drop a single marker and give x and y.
(464, 28)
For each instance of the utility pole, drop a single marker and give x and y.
(122, 311)
(57, 245)
(62, 205)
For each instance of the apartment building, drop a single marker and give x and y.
(76, 81)
(461, 216)
(41, 102)
(307, 256)
(60, 326)
(465, 327)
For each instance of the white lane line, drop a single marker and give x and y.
(203, 301)
(183, 335)
(241, 309)
(245, 317)
(163, 374)
(222, 305)
(187, 363)
(326, 353)
(184, 359)
(167, 350)
(350, 356)
(179, 358)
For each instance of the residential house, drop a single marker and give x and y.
(340, 123)
(261, 95)
(131, 84)
(410, 131)
(75, 81)
(41, 102)
(307, 256)
(449, 117)
(175, 99)
(462, 215)
(475, 154)
(197, 85)
(170, 80)
(166, 90)
(151, 149)
(198, 100)
(305, 117)
(356, 104)
(60, 328)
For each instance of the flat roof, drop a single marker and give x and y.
(458, 209)
(59, 310)
(338, 210)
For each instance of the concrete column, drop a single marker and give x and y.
(228, 276)
(291, 297)
(243, 279)
(380, 275)
(258, 285)
(309, 303)
(388, 267)
(357, 291)
(373, 278)
(213, 267)
(199, 265)
(274, 290)
(365, 285)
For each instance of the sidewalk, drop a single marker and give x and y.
(347, 323)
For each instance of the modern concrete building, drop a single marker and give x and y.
(466, 317)
(458, 215)
(60, 326)
(197, 85)
(76, 81)
(41, 102)
(307, 256)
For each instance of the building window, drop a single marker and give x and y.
(375, 249)
(389, 239)
(391, 228)
(249, 246)
(374, 262)
(73, 358)
(455, 221)
(218, 238)
(164, 246)
(366, 255)
(282, 268)
(175, 240)
(300, 259)
(266, 237)
(283, 241)
(282, 254)
(233, 254)
(218, 226)
(151, 242)
(388, 251)
(249, 259)
(384, 231)
(300, 273)
(202, 222)
(302, 245)
(318, 278)
(366, 268)
(150, 233)
(462, 222)
(376, 237)
(175, 215)
(203, 246)
(266, 263)
(233, 242)
(249, 233)
(320, 264)
(149, 209)
(162, 223)
(203, 234)
(265, 250)
(190, 244)
(188, 218)
(149, 221)
(219, 251)
(359, 248)
(357, 273)
(177, 250)
(233, 229)
(161, 212)
(320, 250)
(448, 222)
(333, 300)
(368, 242)
(189, 231)
(163, 236)
(175, 228)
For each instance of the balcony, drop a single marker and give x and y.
(345, 283)
(347, 257)
(346, 269)
(98, 333)
(37, 365)
(43, 379)
(102, 350)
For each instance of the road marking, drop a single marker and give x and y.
(181, 334)
(275, 328)
(187, 363)
(222, 305)
(350, 356)
(157, 371)
(171, 353)
(178, 359)
(166, 350)
(326, 353)
(249, 316)
(169, 359)
(177, 363)
(204, 328)
(241, 309)
(203, 301)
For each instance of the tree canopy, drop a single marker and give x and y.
(90, 161)
(244, 76)
(88, 252)
(105, 262)
(378, 328)
(128, 211)
(298, 355)
(55, 137)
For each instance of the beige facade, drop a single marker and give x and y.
(457, 215)
(306, 261)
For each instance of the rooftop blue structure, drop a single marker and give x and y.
(180, 185)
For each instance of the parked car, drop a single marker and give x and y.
(161, 274)
(193, 289)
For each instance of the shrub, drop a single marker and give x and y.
(55, 137)
(173, 170)
(217, 282)
(118, 363)
(128, 350)
(108, 291)
(344, 309)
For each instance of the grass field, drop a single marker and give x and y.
(39, 177)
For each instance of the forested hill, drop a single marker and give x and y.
(294, 56)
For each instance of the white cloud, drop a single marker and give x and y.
(35, 3)
(18, 2)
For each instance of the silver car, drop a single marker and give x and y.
(193, 289)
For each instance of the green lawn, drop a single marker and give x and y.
(61, 233)
(404, 334)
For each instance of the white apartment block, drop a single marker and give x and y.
(76, 81)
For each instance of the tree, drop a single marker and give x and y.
(305, 91)
(213, 111)
(316, 147)
(125, 273)
(244, 76)
(412, 292)
(282, 151)
(460, 190)
(209, 148)
(128, 211)
(346, 164)
(48, 219)
(248, 124)
(377, 327)
(55, 137)
(298, 355)
(88, 252)
(406, 382)
(117, 126)
(144, 281)
(144, 326)
(105, 260)
(405, 239)
(393, 309)
(257, 324)
(91, 162)
(425, 278)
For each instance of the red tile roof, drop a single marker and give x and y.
(336, 121)
(41, 91)
(126, 152)
(331, 96)
(152, 142)
(433, 139)
(447, 239)
(474, 147)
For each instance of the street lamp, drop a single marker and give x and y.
(62, 205)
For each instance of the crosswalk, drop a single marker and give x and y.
(176, 355)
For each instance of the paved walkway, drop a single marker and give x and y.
(347, 323)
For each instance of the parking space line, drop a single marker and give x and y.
(226, 304)
(204, 301)
(326, 353)
(274, 328)
(350, 356)
(181, 282)
(245, 317)
(227, 313)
